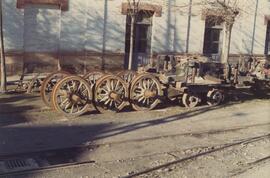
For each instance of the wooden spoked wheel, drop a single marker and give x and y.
(191, 100)
(110, 94)
(92, 77)
(145, 92)
(127, 75)
(48, 83)
(215, 97)
(72, 96)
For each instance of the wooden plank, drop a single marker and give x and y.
(62, 4)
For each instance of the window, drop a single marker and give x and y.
(212, 35)
(267, 42)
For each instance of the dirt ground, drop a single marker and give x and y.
(232, 140)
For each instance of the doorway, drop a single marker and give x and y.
(213, 37)
(142, 39)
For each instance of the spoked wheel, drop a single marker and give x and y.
(72, 96)
(127, 75)
(191, 100)
(215, 97)
(92, 77)
(48, 83)
(110, 94)
(145, 91)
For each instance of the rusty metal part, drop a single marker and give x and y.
(213, 79)
(33, 84)
(72, 96)
(48, 83)
(191, 100)
(127, 75)
(92, 77)
(145, 92)
(215, 97)
(110, 94)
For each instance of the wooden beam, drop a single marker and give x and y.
(62, 4)
(143, 6)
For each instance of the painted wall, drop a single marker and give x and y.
(47, 29)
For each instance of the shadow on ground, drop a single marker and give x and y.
(13, 108)
(36, 138)
(59, 135)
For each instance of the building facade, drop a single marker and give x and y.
(40, 35)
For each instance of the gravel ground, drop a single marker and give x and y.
(168, 142)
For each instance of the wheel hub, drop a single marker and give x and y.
(75, 98)
(193, 99)
(114, 96)
(217, 97)
(149, 93)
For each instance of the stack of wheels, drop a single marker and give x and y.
(75, 95)
(214, 97)
(48, 83)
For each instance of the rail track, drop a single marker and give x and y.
(205, 153)
(67, 153)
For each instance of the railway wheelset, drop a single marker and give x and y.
(185, 80)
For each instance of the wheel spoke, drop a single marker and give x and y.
(68, 87)
(116, 86)
(77, 107)
(64, 102)
(148, 101)
(104, 99)
(152, 85)
(68, 105)
(81, 84)
(148, 84)
(107, 101)
(111, 85)
(141, 98)
(72, 108)
(108, 85)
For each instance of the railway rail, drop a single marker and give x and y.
(66, 154)
(205, 153)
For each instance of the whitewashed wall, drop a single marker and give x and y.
(13, 23)
(42, 28)
(246, 26)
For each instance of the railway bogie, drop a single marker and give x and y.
(189, 80)
(72, 96)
